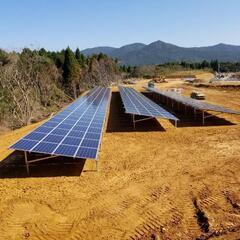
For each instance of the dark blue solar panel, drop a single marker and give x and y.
(54, 138)
(137, 104)
(90, 143)
(72, 141)
(60, 131)
(64, 126)
(44, 147)
(25, 144)
(75, 131)
(43, 129)
(66, 150)
(34, 136)
(80, 128)
(95, 125)
(82, 123)
(95, 130)
(92, 135)
(50, 124)
(69, 121)
(87, 152)
(76, 134)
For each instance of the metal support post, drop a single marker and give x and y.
(97, 165)
(203, 118)
(26, 162)
(134, 123)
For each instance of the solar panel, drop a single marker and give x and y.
(137, 104)
(76, 131)
(200, 105)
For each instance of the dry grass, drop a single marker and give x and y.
(151, 184)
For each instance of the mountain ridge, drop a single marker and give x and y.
(161, 52)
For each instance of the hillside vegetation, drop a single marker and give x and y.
(34, 84)
(159, 52)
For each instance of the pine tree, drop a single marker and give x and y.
(101, 56)
(80, 57)
(129, 69)
(215, 65)
(43, 52)
(71, 72)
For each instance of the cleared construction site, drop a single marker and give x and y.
(165, 171)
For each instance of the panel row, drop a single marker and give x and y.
(82, 151)
(76, 131)
(193, 102)
(136, 103)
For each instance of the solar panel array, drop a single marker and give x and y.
(75, 132)
(200, 105)
(137, 104)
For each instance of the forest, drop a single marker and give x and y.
(37, 83)
(150, 71)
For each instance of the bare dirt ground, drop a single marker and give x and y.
(157, 182)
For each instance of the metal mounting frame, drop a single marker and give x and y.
(139, 120)
(27, 162)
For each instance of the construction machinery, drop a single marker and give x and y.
(198, 95)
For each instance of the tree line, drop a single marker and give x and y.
(35, 83)
(150, 71)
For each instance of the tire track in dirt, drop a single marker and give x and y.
(225, 232)
(212, 208)
(119, 208)
(27, 218)
(157, 222)
(44, 231)
(233, 200)
(154, 196)
(159, 215)
(152, 223)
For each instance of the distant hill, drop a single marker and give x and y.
(160, 52)
(97, 50)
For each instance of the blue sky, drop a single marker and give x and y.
(55, 24)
